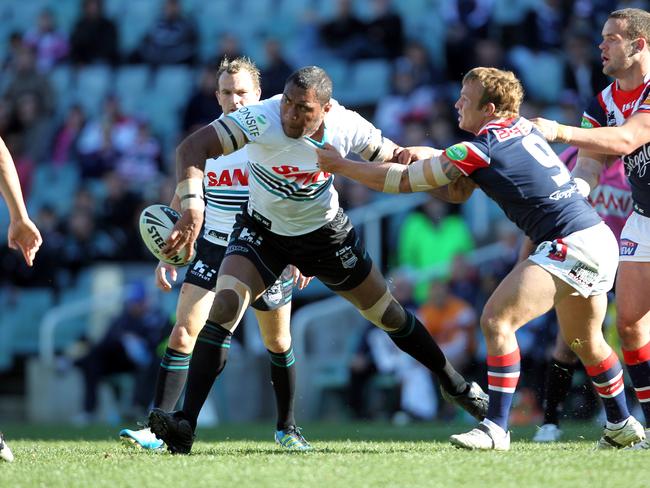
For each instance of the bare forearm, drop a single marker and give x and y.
(192, 153)
(10, 184)
(615, 141)
(371, 175)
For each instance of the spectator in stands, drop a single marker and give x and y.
(15, 45)
(430, 238)
(544, 26)
(64, 148)
(227, 47)
(172, 40)
(384, 32)
(583, 73)
(127, 347)
(344, 34)
(25, 79)
(94, 36)
(50, 45)
(276, 69)
(202, 107)
(417, 62)
(139, 163)
(33, 127)
(452, 322)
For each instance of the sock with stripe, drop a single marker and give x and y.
(415, 340)
(503, 376)
(607, 377)
(172, 375)
(638, 366)
(208, 360)
(283, 379)
(558, 384)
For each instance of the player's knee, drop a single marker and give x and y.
(628, 330)
(493, 326)
(386, 313)
(230, 302)
(181, 339)
(278, 344)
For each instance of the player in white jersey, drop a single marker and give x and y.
(22, 235)
(618, 124)
(293, 217)
(197, 339)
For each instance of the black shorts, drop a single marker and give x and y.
(204, 269)
(332, 253)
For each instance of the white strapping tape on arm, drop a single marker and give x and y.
(419, 170)
(393, 178)
(190, 194)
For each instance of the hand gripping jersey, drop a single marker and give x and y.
(611, 108)
(226, 188)
(289, 195)
(515, 166)
(612, 198)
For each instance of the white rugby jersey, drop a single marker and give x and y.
(226, 187)
(288, 192)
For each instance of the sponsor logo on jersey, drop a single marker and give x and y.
(227, 177)
(638, 161)
(253, 124)
(567, 193)
(585, 123)
(518, 130)
(611, 119)
(300, 176)
(261, 219)
(218, 235)
(457, 152)
(583, 274)
(627, 247)
(347, 257)
(628, 106)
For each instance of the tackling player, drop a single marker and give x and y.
(612, 200)
(197, 339)
(22, 235)
(293, 217)
(618, 124)
(571, 270)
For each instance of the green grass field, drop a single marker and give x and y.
(346, 455)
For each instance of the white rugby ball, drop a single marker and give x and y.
(156, 224)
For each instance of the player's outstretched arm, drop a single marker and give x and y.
(22, 234)
(421, 175)
(615, 141)
(589, 166)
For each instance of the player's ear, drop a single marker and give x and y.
(490, 108)
(327, 107)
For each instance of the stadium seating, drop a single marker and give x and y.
(92, 84)
(22, 312)
(59, 185)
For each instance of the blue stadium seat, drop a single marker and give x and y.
(92, 85)
(370, 82)
(23, 313)
(131, 83)
(137, 19)
(61, 78)
(60, 184)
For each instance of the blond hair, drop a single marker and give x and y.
(237, 65)
(637, 22)
(502, 88)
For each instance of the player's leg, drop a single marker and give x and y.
(273, 312)
(559, 375)
(580, 322)
(526, 293)
(633, 324)
(375, 302)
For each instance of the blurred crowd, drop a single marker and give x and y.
(122, 160)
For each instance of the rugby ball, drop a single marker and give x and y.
(156, 224)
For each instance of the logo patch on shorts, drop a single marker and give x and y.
(627, 247)
(583, 274)
(347, 257)
(202, 270)
(558, 251)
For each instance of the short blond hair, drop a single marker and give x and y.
(502, 88)
(236, 65)
(637, 22)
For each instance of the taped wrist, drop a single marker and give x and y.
(190, 194)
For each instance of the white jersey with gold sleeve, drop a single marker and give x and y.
(226, 188)
(289, 194)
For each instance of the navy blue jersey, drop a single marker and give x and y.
(611, 108)
(515, 166)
